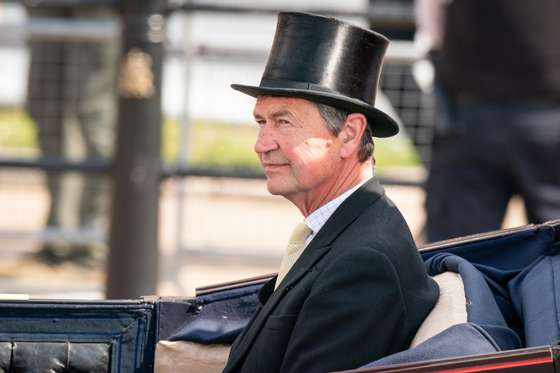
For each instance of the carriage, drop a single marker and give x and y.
(499, 310)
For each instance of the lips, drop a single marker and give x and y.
(273, 166)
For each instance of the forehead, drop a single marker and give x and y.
(274, 105)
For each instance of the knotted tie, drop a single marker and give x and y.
(293, 251)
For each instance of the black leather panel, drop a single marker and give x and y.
(38, 357)
(5, 356)
(88, 357)
(51, 357)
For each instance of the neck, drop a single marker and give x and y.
(323, 194)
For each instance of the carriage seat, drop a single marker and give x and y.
(470, 317)
(449, 310)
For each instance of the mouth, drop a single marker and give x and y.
(268, 167)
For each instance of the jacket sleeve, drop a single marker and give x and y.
(355, 314)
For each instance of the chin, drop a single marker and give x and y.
(273, 189)
(276, 187)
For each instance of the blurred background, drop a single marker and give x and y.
(61, 75)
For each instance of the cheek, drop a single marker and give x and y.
(316, 150)
(314, 156)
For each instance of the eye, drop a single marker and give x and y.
(260, 122)
(283, 122)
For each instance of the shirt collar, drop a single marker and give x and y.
(319, 217)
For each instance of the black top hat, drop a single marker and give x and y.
(326, 61)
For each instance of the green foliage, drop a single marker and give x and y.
(17, 132)
(395, 151)
(212, 144)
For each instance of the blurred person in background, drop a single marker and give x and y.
(430, 20)
(351, 267)
(71, 99)
(497, 132)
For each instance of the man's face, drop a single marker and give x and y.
(298, 153)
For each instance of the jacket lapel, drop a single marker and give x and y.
(348, 211)
(271, 297)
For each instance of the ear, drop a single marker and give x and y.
(351, 134)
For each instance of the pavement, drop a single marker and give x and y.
(211, 231)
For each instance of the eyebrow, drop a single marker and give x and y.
(279, 113)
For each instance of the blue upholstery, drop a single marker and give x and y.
(458, 340)
(510, 253)
(536, 293)
(482, 306)
(219, 317)
(512, 289)
(505, 262)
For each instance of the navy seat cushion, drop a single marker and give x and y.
(219, 317)
(458, 340)
(535, 293)
(486, 302)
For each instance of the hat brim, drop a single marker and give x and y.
(381, 124)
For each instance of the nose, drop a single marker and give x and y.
(265, 141)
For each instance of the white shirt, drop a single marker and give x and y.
(319, 217)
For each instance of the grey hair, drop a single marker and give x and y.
(335, 118)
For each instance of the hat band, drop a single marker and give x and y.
(293, 84)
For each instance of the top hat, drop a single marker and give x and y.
(327, 61)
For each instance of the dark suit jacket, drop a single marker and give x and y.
(358, 292)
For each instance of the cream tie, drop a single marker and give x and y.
(293, 251)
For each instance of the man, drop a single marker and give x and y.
(352, 288)
(497, 132)
(71, 100)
